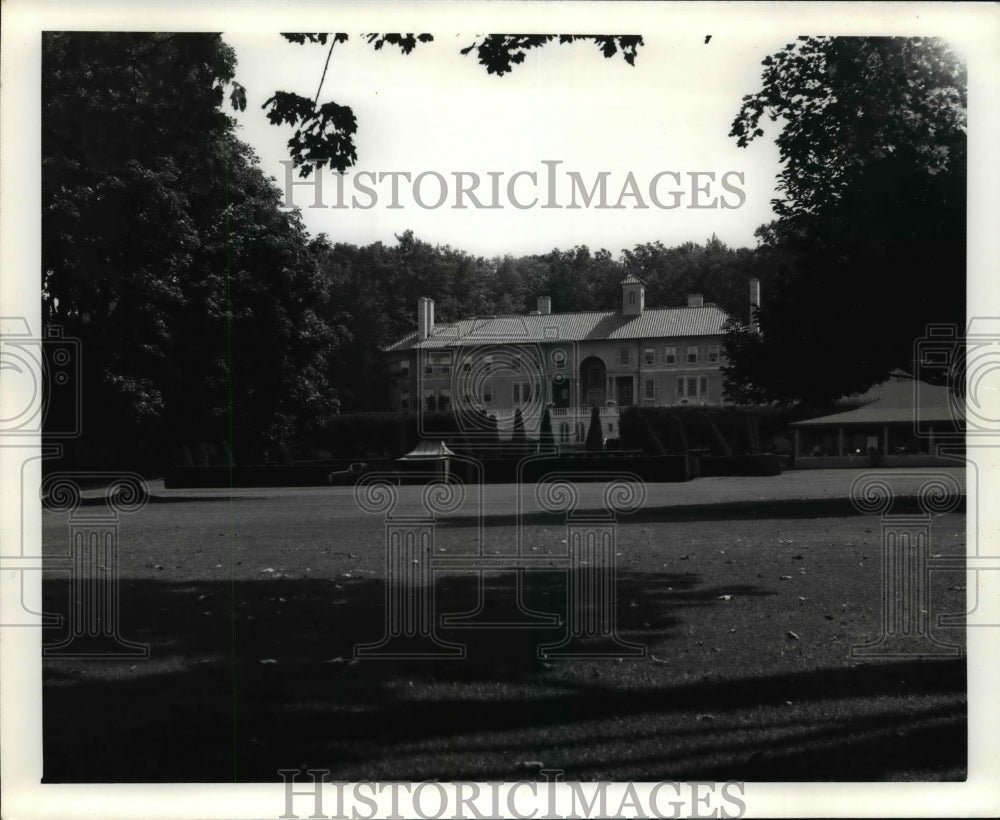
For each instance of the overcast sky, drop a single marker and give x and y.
(436, 110)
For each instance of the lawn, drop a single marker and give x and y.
(747, 607)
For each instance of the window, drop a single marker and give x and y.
(649, 356)
(488, 393)
(526, 392)
(631, 297)
(428, 367)
(692, 387)
(441, 362)
(649, 389)
(692, 354)
(404, 368)
(670, 355)
(624, 355)
(404, 400)
(430, 402)
(517, 393)
(444, 400)
(559, 358)
(713, 353)
(466, 367)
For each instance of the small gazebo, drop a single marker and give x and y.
(901, 419)
(431, 453)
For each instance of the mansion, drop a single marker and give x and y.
(568, 362)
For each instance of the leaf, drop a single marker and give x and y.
(238, 97)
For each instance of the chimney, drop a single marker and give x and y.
(544, 305)
(425, 318)
(695, 300)
(754, 304)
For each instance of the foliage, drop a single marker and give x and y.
(869, 243)
(518, 435)
(595, 434)
(546, 439)
(636, 433)
(197, 301)
(499, 53)
(324, 134)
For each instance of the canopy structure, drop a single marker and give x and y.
(908, 409)
(428, 451)
(432, 454)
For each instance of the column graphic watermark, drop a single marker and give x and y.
(587, 562)
(906, 628)
(43, 401)
(94, 619)
(966, 362)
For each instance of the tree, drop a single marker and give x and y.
(546, 441)
(324, 134)
(595, 435)
(713, 269)
(164, 251)
(870, 223)
(493, 432)
(518, 436)
(651, 445)
(676, 434)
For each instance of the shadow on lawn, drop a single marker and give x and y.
(205, 709)
(787, 508)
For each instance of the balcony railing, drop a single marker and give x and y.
(578, 413)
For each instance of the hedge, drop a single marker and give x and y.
(768, 464)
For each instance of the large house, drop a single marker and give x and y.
(570, 362)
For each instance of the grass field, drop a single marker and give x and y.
(747, 593)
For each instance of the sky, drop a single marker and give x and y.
(438, 111)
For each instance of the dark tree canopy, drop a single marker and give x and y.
(324, 134)
(164, 250)
(868, 247)
(595, 433)
(546, 439)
